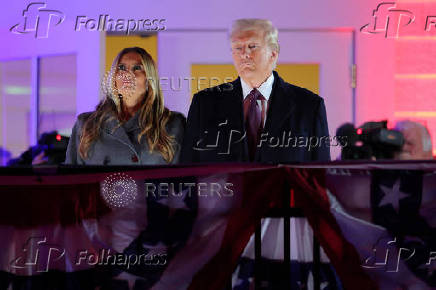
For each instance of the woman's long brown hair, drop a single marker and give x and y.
(153, 115)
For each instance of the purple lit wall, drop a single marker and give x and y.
(88, 46)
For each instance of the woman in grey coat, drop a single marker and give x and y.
(131, 126)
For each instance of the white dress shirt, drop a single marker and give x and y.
(265, 89)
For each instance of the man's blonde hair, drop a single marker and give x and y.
(271, 34)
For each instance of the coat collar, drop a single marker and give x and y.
(132, 123)
(236, 93)
(281, 105)
(116, 130)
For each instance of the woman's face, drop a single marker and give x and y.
(130, 79)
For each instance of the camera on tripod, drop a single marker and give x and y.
(52, 144)
(369, 141)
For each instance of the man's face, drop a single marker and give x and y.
(252, 57)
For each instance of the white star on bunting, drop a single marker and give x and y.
(392, 195)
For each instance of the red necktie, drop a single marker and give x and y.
(254, 117)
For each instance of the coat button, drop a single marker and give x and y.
(134, 158)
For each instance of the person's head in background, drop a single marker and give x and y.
(417, 141)
(255, 49)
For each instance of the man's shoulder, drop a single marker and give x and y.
(300, 94)
(177, 118)
(176, 124)
(216, 91)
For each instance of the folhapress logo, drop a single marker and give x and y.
(387, 19)
(38, 20)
